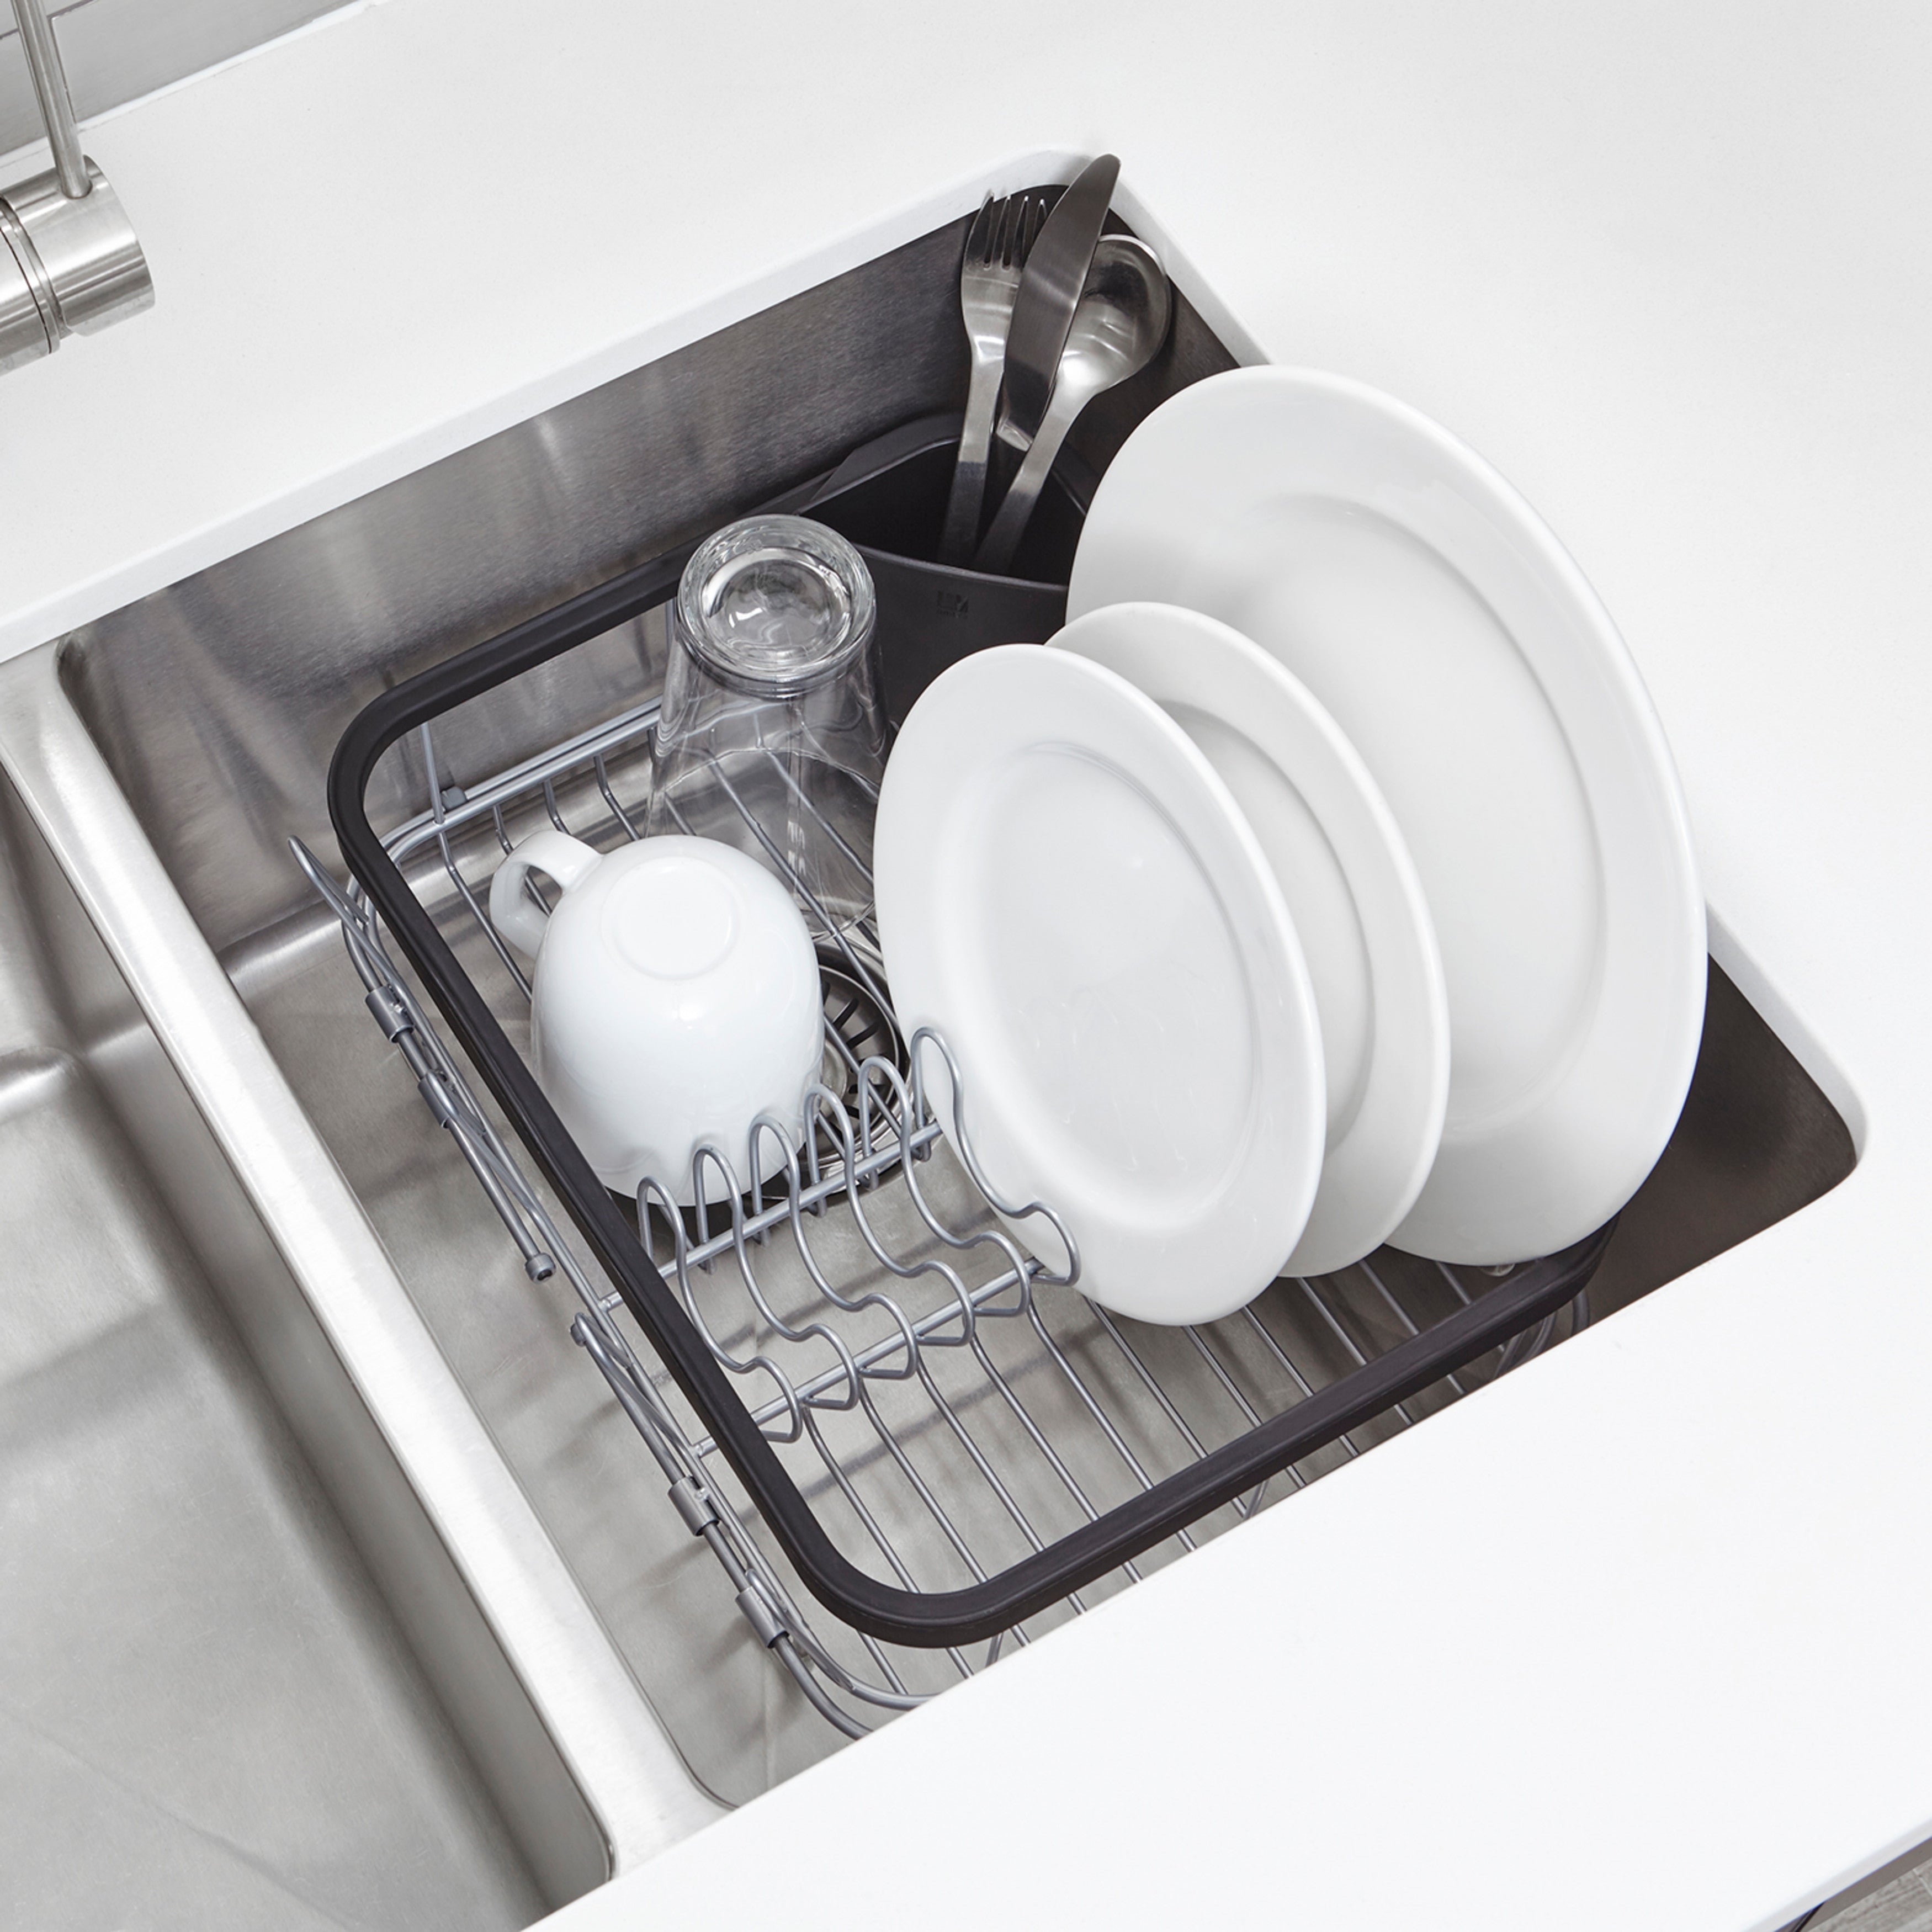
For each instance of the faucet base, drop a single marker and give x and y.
(70, 267)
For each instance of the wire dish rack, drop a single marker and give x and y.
(857, 1337)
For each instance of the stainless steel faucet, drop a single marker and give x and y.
(70, 264)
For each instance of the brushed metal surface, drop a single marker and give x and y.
(1056, 273)
(87, 249)
(41, 52)
(209, 1714)
(218, 701)
(579, 1770)
(25, 335)
(1756, 1142)
(249, 672)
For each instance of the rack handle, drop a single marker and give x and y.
(514, 912)
(43, 63)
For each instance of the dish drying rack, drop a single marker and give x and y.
(854, 1358)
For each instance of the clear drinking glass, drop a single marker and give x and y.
(771, 737)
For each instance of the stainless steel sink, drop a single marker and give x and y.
(498, 1580)
(210, 1714)
(282, 1642)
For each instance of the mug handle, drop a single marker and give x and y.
(515, 913)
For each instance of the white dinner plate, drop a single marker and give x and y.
(1069, 894)
(1351, 890)
(1438, 620)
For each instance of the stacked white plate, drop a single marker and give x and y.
(1327, 882)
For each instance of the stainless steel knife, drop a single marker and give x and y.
(1056, 272)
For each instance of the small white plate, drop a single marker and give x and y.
(1069, 895)
(1351, 891)
(1438, 619)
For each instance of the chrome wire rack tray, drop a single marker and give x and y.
(943, 1441)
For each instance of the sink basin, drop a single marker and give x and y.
(181, 743)
(209, 1714)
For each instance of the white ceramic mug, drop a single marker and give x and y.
(676, 999)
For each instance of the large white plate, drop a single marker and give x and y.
(1440, 622)
(1068, 892)
(1351, 891)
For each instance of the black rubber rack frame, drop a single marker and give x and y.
(984, 1610)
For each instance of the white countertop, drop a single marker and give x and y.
(1638, 1636)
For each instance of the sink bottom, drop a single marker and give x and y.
(208, 1718)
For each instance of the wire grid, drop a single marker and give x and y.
(946, 1401)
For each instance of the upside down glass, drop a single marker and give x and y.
(772, 737)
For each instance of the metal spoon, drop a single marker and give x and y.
(1118, 330)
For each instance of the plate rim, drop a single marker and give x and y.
(1190, 678)
(911, 829)
(1438, 1226)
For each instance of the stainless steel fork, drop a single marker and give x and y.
(989, 277)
